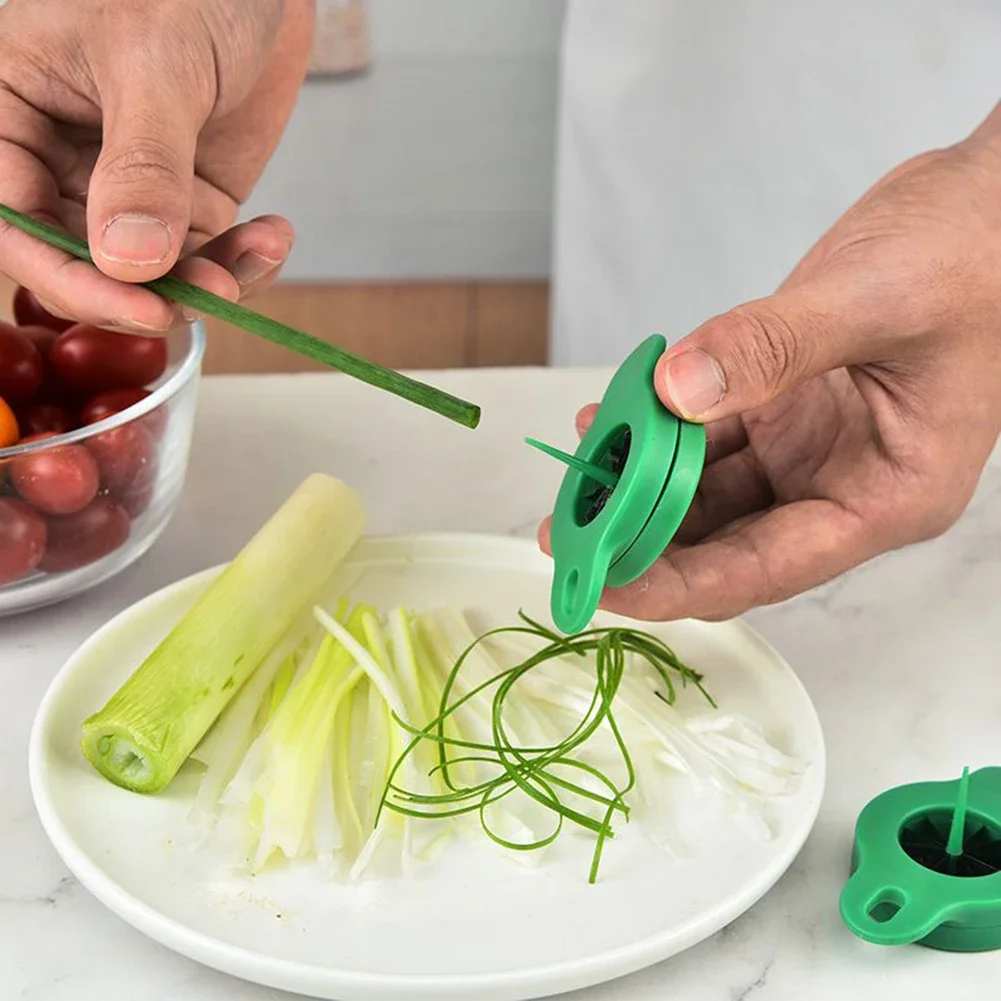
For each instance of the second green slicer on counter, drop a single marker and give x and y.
(926, 866)
(629, 486)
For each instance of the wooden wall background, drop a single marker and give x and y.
(415, 326)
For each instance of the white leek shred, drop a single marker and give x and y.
(298, 765)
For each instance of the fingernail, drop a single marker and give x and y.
(251, 267)
(190, 315)
(693, 381)
(135, 239)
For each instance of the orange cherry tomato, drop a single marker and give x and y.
(9, 431)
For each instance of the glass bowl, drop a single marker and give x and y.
(142, 457)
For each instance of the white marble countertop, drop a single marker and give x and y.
(900, 659)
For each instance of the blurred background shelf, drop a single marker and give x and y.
(410, 326)
(417, 325)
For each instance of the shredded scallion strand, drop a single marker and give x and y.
(433, 399)
(540, 773)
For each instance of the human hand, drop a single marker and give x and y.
(143, 127)
(852, 412)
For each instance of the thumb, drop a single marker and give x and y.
(139, 202)
(747, 357)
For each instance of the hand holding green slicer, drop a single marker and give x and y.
(926, 866)
(629, 486)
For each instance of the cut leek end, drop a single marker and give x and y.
(120, 758)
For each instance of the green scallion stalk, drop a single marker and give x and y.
(436, 400)
(150, 726)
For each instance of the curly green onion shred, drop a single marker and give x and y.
(532, 770)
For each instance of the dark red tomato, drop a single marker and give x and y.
(37, 418)
(21, 366)
(85, 537)
(137, 498)
(29, 312)
(116, 400)
(89, 361)
(51, 389)
(22, 539)
(61, 480)
(125, 456)
(42, 337)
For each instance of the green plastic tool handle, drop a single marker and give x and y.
(576, 593)
(914, 917)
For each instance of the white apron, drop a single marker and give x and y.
(704, 145)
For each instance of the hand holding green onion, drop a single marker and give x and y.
(141, 129)
(102, 163)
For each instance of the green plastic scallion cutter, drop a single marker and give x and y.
(629, 486)
(927, 866)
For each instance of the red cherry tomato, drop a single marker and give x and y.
(116, 400)
(22, 539)
(51, 390)
(10, 430)
(61, 480)
(112, 402)
(90, 361)
(42, 337)
(38, 418)
(29, 312)
(137, 498)
(125, 456)
(85, 537)
(21, 366)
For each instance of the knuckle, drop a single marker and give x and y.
(763, 347)
(147, 159)
(767, 589)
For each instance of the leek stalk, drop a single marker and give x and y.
(150, 726)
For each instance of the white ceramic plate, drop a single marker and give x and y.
(475, 925)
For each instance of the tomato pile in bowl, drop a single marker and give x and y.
(95, 428)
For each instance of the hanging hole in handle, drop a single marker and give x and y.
(570, 587)
(575, 597)
(885, 905)
(886, 914)
(883, 911)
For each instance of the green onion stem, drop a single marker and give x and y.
(436, 400)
